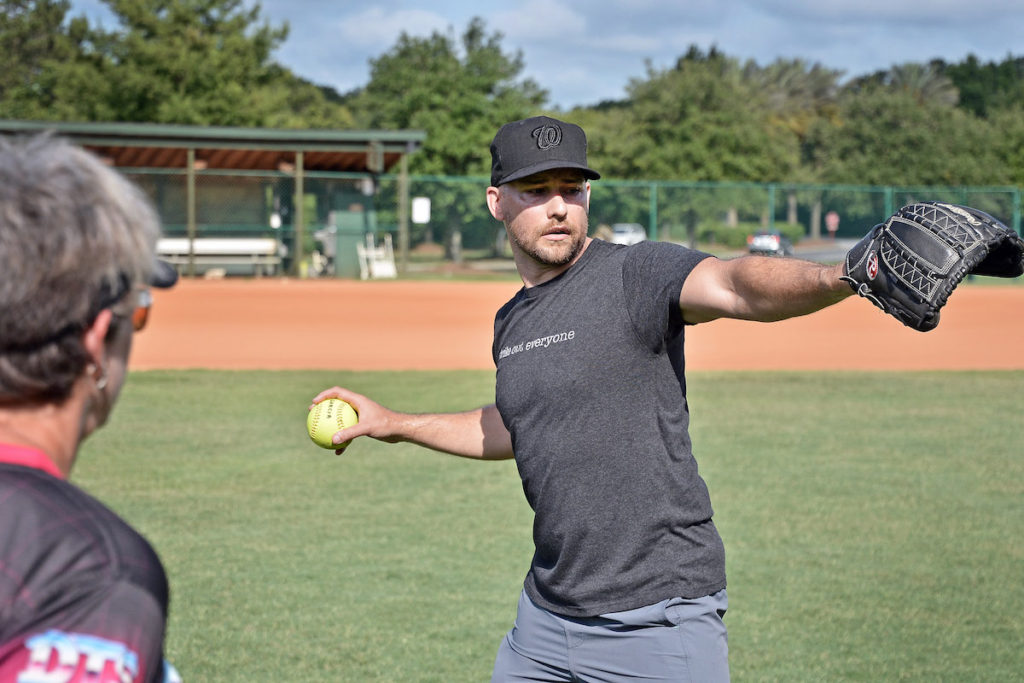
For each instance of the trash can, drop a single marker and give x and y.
(346, 254)
(349, 234)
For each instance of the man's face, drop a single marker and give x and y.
(545, 215)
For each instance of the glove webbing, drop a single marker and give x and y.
(905, 265)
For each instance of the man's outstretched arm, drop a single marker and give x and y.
(478, 433)
(760, 288)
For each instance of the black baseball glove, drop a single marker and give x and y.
(909, 265)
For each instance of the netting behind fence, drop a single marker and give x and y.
(247, 204)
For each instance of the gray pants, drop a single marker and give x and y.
(679, 640)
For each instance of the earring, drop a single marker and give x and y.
(101, 381)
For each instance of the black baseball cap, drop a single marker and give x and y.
(164, 275)
(536, 144)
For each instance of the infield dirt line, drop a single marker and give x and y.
(402, 325)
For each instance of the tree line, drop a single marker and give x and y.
(708, 117)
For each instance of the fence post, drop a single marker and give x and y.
(403, 214)
(190, 208)
(652, 212)
(1016, 211)
(300, 213)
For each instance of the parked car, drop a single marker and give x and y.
(769, 243)
(628, 233)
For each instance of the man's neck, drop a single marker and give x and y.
(533, 273)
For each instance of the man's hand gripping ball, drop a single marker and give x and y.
(327, 417)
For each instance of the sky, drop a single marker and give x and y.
(583, 53)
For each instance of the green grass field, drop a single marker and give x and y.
(874, 524)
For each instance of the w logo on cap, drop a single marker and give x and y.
(547, 136)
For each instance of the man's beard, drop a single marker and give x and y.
(560, 259)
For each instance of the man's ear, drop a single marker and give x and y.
(494, 202)
(95, 336)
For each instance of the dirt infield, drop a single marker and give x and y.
(401, 325)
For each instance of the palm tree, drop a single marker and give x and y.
(925, 82)
(796, 93)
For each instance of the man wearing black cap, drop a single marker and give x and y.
(628, 574)
(83, 596)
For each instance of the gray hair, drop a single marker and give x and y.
(73, 234)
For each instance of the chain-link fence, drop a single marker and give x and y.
(340, 209)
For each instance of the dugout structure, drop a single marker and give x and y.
(232, 184)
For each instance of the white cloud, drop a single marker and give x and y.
(875, 12)
(584, 53)
(379, 28)
(540, 21)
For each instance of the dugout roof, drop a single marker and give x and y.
(147, 145)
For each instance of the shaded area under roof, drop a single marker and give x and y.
(146, 145)
(296, 152)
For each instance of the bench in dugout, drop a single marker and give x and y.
(237, 255)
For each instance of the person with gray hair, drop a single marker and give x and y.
(82, 594)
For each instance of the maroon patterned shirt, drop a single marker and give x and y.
(83, 596)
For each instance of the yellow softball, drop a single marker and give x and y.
(326, 418)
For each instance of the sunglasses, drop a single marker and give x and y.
(140, 314)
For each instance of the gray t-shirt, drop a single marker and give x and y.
(590, 383)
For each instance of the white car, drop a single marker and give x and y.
(628, 233)
(769, 243)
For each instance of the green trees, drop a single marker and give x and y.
(191, 61)
(706, 118)
(700, 120)
(886, 137)
(204, 62)
(795, 93)
(50, 73)
(459, 92)
(1007, 126)
(987, 88)
(710, 119)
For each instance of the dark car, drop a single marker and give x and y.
(769, 243)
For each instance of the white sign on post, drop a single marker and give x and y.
(420, 210)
